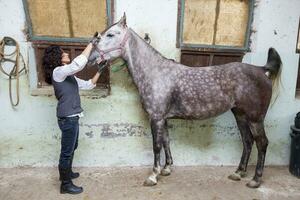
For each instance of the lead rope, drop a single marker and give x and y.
(13, 57)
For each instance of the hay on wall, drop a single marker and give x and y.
(202, 25)
(88, 17)
(49, 18)
(199, 19)
(53, 19)
(232, 22)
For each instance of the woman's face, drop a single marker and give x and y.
(65, 59)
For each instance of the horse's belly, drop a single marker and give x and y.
(200, 108)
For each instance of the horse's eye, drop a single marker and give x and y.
(110, 35)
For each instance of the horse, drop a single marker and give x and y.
(169, 89)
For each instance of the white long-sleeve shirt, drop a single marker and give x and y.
(61, 73)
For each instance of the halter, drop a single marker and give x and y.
(120, 47)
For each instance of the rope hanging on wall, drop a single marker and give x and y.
(14, 58)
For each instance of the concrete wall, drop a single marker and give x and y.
(115, 130)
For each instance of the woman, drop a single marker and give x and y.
(60, 73)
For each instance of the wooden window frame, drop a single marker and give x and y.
(216, 48)
(73, 49)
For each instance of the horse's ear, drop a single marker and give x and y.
(96, 34)
(122, 21)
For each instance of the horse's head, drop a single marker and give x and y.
(111, 42)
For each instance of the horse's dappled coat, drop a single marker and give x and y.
(171, 90)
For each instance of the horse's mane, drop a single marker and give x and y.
(150, 47)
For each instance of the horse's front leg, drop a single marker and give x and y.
(157, 127)
(166, 171)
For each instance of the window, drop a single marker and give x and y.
(69, 24)
(213, 32)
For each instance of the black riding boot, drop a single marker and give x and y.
(73, 174)
(67, 185)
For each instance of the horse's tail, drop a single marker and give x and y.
(273, 67)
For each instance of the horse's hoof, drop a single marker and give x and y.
(150, 182)
(253, 184)
(166, 171)
(235, 177)
(243, 174)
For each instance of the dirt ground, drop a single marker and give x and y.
(205, 183)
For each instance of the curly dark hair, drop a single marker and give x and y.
(51, 59)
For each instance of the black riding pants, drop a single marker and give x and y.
(69, 127)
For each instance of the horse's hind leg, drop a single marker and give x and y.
(247, 140)
(166, 144)
(261, 140)
(157, 127)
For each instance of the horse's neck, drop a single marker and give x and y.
(142, 59)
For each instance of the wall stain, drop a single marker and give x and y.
(56, 136)
(187, 130)
(89, 134)
(118, 130)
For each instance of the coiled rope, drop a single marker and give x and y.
(14, 58)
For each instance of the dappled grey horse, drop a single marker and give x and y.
(171, 90)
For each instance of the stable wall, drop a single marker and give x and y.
(115, 130)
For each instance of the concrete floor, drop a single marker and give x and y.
(207, 183)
